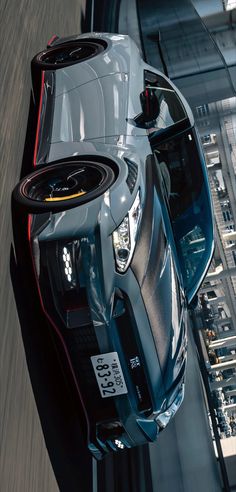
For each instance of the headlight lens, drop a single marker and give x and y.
(124, 237)
(164, 418)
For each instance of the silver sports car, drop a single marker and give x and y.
(119, 230)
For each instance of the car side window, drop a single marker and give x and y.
(181, 172)
(171, 108)
(179, 163)
(192, 246)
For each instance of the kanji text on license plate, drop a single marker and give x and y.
(109, 374)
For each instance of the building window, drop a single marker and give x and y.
(234, 256)
(213, 158)
(227, 215)
(209, 139)
(226, 327)
(206, 139)
(203, 123)
(202, 111)
(211, 294)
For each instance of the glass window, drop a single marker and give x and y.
(171, 107)
(181, 171)
(187, 197)
(206, 139)
(211, 294)
(202, 110)
(209, 139)
(234, 256)
(193, 245)
(226, 215)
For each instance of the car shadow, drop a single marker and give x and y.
(28, 151)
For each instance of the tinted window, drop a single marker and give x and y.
(188, 201)
(171, 108)
(181, 171)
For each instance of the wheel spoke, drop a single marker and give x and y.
(70, 182)
(72, 53)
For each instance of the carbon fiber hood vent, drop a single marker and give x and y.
(132, 174)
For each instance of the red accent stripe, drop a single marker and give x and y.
(51, 39)
(52, 322)
(30, 218)
(38, 123)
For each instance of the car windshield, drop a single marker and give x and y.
(186, 188)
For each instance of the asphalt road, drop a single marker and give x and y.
(183, 458)
(25, 28)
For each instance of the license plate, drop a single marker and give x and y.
(109, 374)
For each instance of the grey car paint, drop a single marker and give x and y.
(94, 104)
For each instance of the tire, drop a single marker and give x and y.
(67, 54)
(63, 186)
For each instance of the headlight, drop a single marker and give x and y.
(124, 237)
(164, 418)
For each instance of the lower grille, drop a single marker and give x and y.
(82, 344)
(128, 337)
(78, 334)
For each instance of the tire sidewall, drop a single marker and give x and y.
(38, 62)
(35, 206)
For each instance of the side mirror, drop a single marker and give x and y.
(150, 105)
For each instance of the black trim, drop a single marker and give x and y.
(46, 117)
(81, 342)
(145, 230)
(132, 174)
(161, 136)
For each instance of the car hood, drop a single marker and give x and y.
(93, 110)
(161, 288)
(92, 100)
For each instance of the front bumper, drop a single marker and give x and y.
(98, 316)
